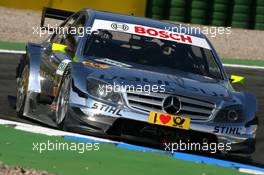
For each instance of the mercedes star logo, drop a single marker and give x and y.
(171, 105)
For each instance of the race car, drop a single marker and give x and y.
(134, 78)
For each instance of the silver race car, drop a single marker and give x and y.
(134, 78)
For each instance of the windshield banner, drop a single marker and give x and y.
(150, 32)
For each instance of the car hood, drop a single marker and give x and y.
(178, 83)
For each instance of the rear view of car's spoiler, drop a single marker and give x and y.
(54, 14)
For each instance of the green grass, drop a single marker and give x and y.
(12, 45)
(243, 62)
(16, 149)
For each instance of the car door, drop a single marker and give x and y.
(55, 53)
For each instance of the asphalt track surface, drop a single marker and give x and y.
(254, 83)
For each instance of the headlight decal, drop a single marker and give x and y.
(103, 91)
(230, 114)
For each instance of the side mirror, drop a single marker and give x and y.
(235, 79)
(59, 47)
(64, 49)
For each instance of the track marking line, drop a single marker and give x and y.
(249, 171)
(243, 66)
(13, 51)
(48, 131)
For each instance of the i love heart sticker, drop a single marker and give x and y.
(165, 118)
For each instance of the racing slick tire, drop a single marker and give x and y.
(220, 8)
(158, 3)
(236, 24)
(177, 18)
(178, 3)
(259, 19)
(157, 10)
(201, 5)
(156, 16)
(260, 3)
(242, 2)
(240, 17)
(198, 21)
(221, 1)
(259, 26)
(219, 16)
(244, 9)
(218, 22)
(22, 76)
(260, 10)
(198, 13)
(177, 11)
(63, 99)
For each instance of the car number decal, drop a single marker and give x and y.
(62, 66)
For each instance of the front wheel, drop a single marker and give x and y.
(22, 86)
(63, 100)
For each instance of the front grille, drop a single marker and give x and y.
(195, 109)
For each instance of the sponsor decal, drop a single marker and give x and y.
(113, 62)
(163, 34)
(227, 130)
(95, 65)
(150, 32)
(118, 26)
(106, 108)
(62, 66)
(169, 120)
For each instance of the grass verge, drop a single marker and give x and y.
(5, 45)
(16, 148)
(243, 62)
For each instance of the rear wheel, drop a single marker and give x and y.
(22, 87)
(63, 100)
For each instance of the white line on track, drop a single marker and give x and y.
(49, 131)
(249, 171)
(13, 51)
(227, 65)
(243, 66)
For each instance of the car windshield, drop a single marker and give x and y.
(126, 48)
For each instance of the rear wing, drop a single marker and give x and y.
(54, 14)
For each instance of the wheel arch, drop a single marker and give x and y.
(79, 83)
(250, 105)
(33, 58)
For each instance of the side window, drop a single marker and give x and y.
(62, 29)
(214, 70)
(76, 31)
(70, 32)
